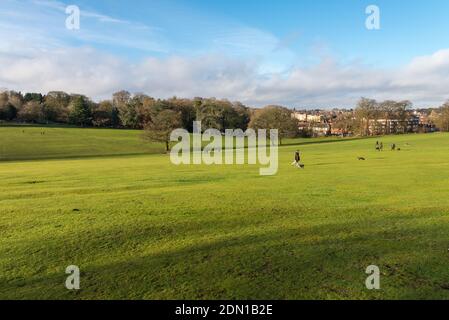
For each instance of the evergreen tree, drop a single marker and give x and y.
(80, 111)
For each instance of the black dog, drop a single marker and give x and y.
(361, 158)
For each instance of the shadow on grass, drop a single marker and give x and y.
(79, 157)
(325, 141)
(325, 261)
(56, 126)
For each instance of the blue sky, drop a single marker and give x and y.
(300, 53)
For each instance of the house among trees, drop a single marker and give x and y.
(312, 123)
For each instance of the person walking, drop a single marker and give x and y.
(297, 159)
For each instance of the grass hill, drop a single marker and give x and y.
(29, 142)
(140, 227)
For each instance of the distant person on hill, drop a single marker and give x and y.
(393, 147)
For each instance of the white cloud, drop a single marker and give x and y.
(328, 83)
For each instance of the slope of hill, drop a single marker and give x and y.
(29, 143)
(141, 228)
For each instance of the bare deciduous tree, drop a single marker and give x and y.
(161, 126)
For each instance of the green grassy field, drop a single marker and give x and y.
(31, 143)
(141, 228)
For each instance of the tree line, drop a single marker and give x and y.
(386, 117)
(440, 117)
(159, 116)
(122, 111)
(372, 117)
(140, 111)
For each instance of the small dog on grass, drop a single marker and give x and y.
(361, 158)
(298, 165)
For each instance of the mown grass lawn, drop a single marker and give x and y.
(30, 143)
(141, 228)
